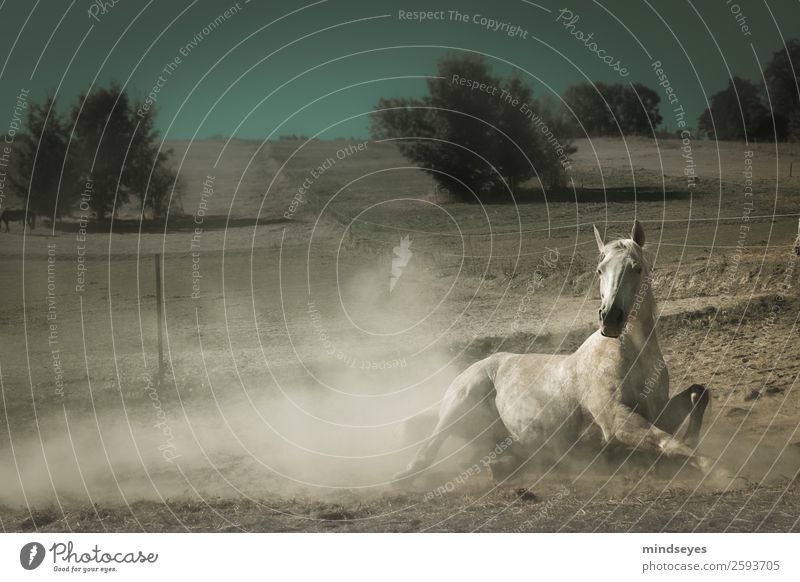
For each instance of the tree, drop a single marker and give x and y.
(550, 108)
(469, 114)
(586, 111)
(119, 152)
(606, 110)
(736, 113)
(152, 177)
(635, 107)
(513, 164)
(41, 170)
(783, 77)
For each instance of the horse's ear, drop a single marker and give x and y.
(637, 233)
(599, 239)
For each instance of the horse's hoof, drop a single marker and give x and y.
(402, 479)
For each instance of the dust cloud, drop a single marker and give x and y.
(331, 414)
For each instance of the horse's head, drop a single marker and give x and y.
(622, 269)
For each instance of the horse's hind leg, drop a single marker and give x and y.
(425, 455)
(468, 397)
(692, 402)
(505, 459)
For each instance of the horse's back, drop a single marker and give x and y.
(526, 373)
(532, 398)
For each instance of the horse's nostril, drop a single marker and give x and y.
(613, 316)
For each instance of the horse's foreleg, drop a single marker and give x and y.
(691, 403)
(621, 423)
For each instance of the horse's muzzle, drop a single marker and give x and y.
(612, 321)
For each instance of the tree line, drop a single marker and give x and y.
(746, 110)
(100, 141)
(480, 136)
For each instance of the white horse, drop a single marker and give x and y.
(617, 379)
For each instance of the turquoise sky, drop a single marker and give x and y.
(259, 67)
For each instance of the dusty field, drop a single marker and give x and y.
(292, 369)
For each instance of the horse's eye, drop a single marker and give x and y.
(598, 272)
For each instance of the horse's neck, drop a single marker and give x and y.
(641, 330)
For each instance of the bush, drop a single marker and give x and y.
(609, 110)
(736, 113)
(477, 143)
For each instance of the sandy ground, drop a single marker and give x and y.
(292, 369)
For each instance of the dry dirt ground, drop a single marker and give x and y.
(291, 367)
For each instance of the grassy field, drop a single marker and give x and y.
(291, 367)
